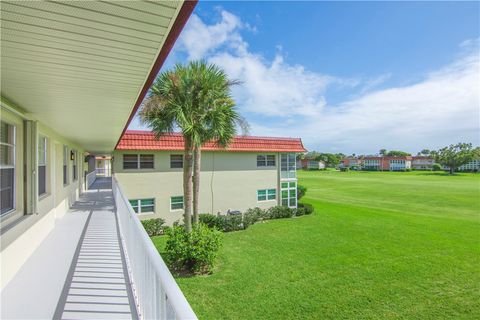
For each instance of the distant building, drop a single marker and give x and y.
(473, 165)
(310, 164)
(422, 163)
(387, 163)
(350, 162)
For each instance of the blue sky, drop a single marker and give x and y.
(350, 77)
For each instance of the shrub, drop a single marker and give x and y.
(209, 220)
(153, 227)
(344, 169)
(229, 223)
(308, 207)
(301, 190)
(436, 167)
(280, 212)
(251, 216)
(299, 211)
(195, 251)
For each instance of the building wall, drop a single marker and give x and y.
(22, 233)
(228, 180)
(473, 165)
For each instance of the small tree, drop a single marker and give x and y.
(330, 159)
(383, 152)
(425, 152)
(456, 155)
(397, 153)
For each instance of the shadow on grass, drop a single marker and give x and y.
(445, 174)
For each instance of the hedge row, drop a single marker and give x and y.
(227, 223)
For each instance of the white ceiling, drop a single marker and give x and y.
(79, 66)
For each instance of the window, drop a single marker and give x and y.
(146, 161)
(267, 160)
(266, 194)
(288, 166)
(135, 161)
(176, 161)
(176, 203)
(74, 167)
(7, 167)
(289, 194)
(130, 161)
(42, 165)
(143, 205)
(65, 162)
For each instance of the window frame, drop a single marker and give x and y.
(11, 144)
(288, 165)
(286, 186)
(267, 195)
(138, 161)
(267, 160)
(44, 139)
(139, 206)
(176, 161)
(177, 209)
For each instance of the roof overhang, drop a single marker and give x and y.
(83, 67)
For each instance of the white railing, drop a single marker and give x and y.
(157, 294)
(91, 178)
(104, 172)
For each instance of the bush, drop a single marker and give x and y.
(280, 212)
(209, 220)
(344, 169)
(251, 216)
(299, 211)
(153, 227)
(229, 223)
(436, 167)
(193, 252)
(301, 190)
(308, 207)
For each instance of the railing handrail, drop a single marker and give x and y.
(175, 296)
(90, 178)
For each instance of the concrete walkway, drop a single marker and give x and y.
(79, 270)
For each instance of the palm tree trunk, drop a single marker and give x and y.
(197, 153)
(187, 185)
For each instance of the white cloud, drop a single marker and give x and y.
(268, 87)
(442, 109)
(292, 101)
(199, 39)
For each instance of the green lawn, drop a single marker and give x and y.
(380, 245)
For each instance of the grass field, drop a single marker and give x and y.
(379, 246)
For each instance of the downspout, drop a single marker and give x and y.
(211, 181)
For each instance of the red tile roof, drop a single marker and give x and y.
(145, 140)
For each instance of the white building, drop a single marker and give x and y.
(399, 164)
(473, 165)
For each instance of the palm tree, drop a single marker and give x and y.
(196, 99)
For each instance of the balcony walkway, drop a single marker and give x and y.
(79, 271)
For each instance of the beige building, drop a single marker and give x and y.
(422, 163)
(252, 172)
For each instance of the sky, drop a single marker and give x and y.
(350, 77)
